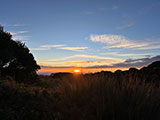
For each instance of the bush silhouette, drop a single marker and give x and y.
(16, 59)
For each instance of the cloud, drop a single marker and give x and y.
(119, 41)
(125, 26)
(18, 25)
(73, 63)
(97, 64)
(108, 59)
(39, 49)
(17, 35)
(18, 32)
(51, 46)
(114, 41)
(19, 38)
(77, 63)
(108, 39)
(73, 48)
(131, 63)
(63, 47)
(46, 47)
(150, 47)
(47, 66)
(138, 62)
(125, 55)
(13, 25)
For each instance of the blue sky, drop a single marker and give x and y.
(64, 33)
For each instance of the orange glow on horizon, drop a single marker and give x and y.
(83, 70)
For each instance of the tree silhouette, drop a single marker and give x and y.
(16, 59)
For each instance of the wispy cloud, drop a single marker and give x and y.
(63, 47)
(39, 49)
(51, 46)
(127, 25)
(18, 32)
(119, 41)
(108, 59)
(19, 38)
(126, 55)
(13, 25)
(73, 63)
(18, 25)
(47, 47)
(154, 46)
(17, 35)
(73, 48)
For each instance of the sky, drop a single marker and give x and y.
(91, 35)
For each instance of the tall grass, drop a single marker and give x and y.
(99, 98)
(81, 97)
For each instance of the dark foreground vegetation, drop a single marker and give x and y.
(123, 95)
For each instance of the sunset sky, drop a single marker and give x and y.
(91, 35)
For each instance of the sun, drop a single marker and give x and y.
(76, 70)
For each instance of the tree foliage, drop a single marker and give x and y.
(16, 59)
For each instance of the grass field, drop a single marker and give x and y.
(80, 97)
